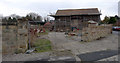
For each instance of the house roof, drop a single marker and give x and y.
(69, 12)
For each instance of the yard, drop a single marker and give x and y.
(60, 42)
(45, 33)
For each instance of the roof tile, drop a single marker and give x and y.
(78, 11)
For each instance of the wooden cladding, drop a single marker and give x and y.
(65, 22)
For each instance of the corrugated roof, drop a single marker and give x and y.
(67, 12)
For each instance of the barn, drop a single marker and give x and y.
(75, 18)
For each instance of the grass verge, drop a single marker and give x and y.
(42, 45)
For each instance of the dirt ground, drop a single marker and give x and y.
(60, 42)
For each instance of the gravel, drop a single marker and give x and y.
(60, 42)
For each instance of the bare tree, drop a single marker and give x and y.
(34, 17)
(46, 19)
(15, 16)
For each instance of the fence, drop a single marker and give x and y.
(91, 33)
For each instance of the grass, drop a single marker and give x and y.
(42, 45)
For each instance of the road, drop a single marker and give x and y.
(116, 32)
(94, 56)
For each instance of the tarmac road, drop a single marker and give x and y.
(116, 32)
(94, 56)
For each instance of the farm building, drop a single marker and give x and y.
(75, 18)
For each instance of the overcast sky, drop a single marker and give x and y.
(44, 7)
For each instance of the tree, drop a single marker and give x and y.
(33, 14)
(106, 20)
(39, 18)
(117, 17)
(112, 20)
(4, 19)
(29, 17)
(14, 20)
(15, 16)
(34, 17)
(46, 19)
(9, 19)
(23, 18)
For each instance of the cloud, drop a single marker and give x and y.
(32, 1)
(43, 7)
(15, 1)
(6, 11)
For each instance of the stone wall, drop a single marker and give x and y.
(13, 40)
(22, 39)
(9, 41)
(91, 32)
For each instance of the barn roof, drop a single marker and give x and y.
(69, 12)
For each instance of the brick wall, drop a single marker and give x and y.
(93, 32)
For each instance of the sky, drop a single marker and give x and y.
(119, 9)
(45, 7)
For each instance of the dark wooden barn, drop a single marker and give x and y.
(69, 18)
